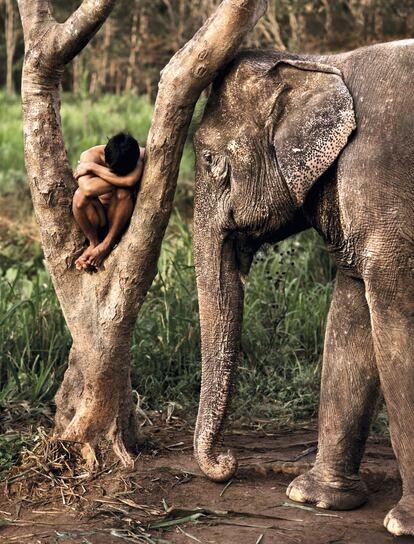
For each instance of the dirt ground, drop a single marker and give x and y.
(166, 487)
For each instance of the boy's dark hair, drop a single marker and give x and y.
(122, 153)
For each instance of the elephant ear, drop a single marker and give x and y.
(314, 125)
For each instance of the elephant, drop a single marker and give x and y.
(289, 142)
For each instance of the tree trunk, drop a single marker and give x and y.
(132, 61)
(104, 56)
(93, 83)
(10, 33)
(378, 21)
(112, 76)
(360, 11)
(328, 20)
(297, 25)
(269, 29)
(77, 75)
(95, 399)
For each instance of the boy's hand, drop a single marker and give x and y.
(83, 169)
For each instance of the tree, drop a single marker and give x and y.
(95, 399)
(103, 56)
(329, 16)
(269, 29)
(132, 60)
(11, 38)
(360, 11)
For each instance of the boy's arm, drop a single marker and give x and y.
(119, 181)
(107, 175)
(93, 186)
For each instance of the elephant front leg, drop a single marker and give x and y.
(349, 393)
(390, 297)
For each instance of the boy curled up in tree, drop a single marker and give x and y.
(108, 177)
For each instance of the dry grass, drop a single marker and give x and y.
(51, 468)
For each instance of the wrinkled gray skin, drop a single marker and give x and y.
(288, 143)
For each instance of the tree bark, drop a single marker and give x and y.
(95, 398)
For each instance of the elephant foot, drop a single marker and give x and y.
(400, 520)
(336, 494)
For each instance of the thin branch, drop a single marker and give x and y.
(81, 26)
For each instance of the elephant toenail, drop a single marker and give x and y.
(323, 504)
(296, 495)
(394, 527)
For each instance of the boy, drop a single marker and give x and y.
(103, 204)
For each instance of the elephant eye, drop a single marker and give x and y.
(207, 156)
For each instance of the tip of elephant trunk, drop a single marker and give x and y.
(218, 468)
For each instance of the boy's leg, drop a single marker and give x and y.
(119, 213)
(90, 216)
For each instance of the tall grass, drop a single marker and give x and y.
(34, 341)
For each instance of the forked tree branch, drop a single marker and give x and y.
(64, 41)
(81, 26)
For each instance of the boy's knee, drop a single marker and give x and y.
(123, 194)
(80, 200)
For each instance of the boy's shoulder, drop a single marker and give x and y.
(94, 154)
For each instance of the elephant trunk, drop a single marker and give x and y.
(220, 294)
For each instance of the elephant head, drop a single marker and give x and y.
(272, 126)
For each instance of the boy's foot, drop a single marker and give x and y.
(99, 253)
(82, 262)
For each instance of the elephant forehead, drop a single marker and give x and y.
(235, 144)
(239, 148)
(207, 137)
(220, 131)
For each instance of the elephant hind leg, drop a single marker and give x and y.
(390, 295)
(349, 393)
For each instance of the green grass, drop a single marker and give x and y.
(33, 337)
